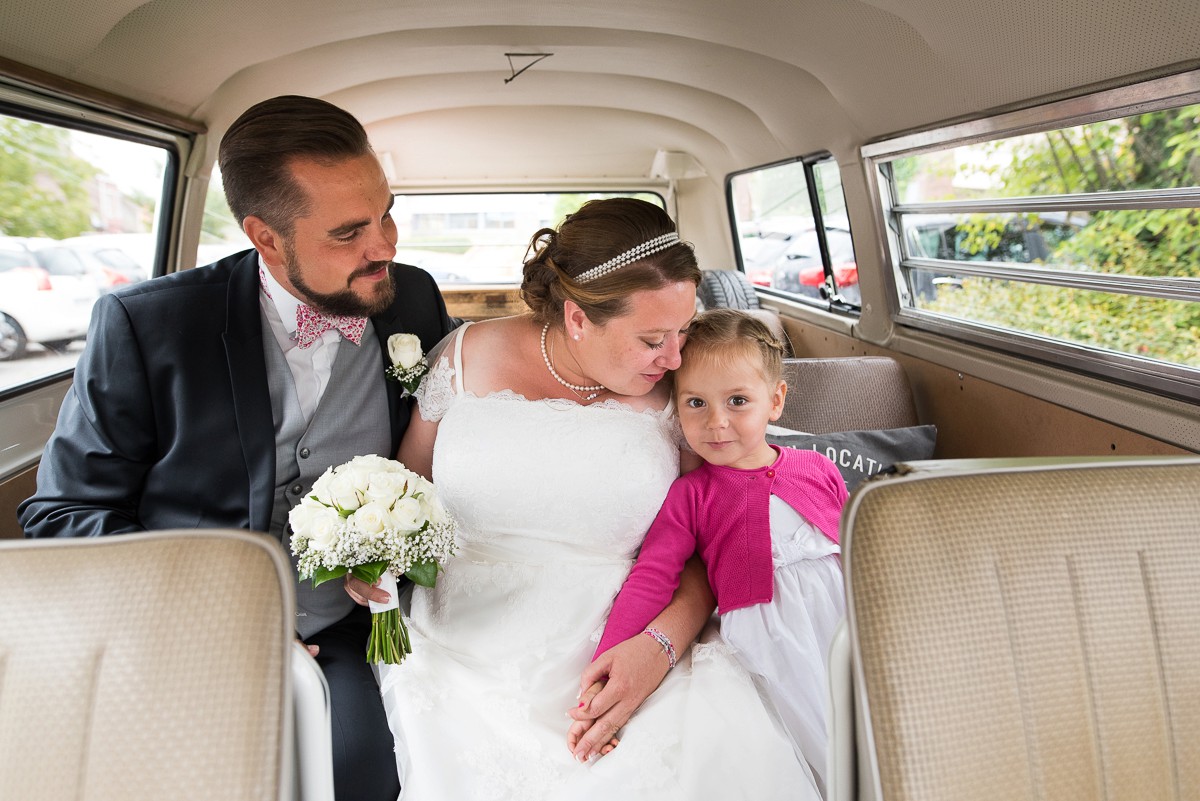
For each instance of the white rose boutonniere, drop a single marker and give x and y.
(408, 362)
(377, 520)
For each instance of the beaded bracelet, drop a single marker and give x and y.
(665, 642)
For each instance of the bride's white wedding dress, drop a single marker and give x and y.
(553, 499)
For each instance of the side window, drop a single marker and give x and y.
(792, 230)
(1070, 242)
(80, 213)
(220, 234)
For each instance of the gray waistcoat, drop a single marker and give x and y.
(351, 420)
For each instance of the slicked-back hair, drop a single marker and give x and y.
(258, 149)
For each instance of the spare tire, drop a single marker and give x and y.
(730, 289)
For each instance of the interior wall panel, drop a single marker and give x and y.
(977, 418)
(12, 491)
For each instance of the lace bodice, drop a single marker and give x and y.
(548, 478)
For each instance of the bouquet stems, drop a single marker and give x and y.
(389, 641)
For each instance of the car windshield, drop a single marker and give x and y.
(13, 259)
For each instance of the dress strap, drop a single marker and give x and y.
(459, 383)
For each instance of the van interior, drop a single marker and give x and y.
(905, 180)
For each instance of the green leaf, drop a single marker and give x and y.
(322, 575)
(369, 572)
(424, 573)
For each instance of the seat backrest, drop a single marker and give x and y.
(146, 666)
(846, 394)
(1028, 632)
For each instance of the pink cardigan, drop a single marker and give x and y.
(723, 513)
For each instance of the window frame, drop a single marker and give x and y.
(1157, 94)
(35, 102)
(835, 303)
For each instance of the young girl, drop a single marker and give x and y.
(764, 520)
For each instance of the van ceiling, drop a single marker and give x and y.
(735, 84)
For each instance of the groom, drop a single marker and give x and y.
(214, 397)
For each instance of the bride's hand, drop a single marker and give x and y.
(634, 669)
(580, 727)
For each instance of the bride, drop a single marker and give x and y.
(551, 439)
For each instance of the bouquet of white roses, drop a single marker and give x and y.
(408, 362)
(375, 519)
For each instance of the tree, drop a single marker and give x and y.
(43, 185)
(1156, 150)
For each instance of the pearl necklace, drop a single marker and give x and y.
(578, 390)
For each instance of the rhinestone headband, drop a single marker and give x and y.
(628, 257)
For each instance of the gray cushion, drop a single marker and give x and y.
(859, 454)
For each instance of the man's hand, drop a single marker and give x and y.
(363, 593)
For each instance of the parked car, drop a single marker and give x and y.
(125, 258)
(760, 250)
(799, 268)
(65, 263)
(949, 238)
(36, 306)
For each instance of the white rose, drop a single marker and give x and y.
(361, 474)
(301, 515)
(434, 511)
(419, 486)
(407, 514)
(372, 518)
(322, 527)
(385, 486)
(404, 350)
(320, 487)
(370, 462)
(344, 489)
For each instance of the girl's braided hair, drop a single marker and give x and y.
(728, 335)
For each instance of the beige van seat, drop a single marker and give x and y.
(146, 666)
(1027, 632)
(849, 393)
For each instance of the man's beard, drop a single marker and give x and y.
(344, 302)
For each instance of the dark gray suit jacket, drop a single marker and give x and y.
(168, 421)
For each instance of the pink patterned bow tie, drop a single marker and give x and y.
(310, 324)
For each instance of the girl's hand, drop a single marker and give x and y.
(580, 727)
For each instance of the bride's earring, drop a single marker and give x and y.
(576, 337)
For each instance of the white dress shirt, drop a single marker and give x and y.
(311, 366)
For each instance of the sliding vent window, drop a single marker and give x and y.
(78, 213)
(792, 230)
(1076, 244)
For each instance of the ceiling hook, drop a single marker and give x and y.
(515, 72)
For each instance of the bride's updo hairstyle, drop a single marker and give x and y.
(723, 337)
(599, 232)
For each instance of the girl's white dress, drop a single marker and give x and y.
(553, 500)
(785, 643)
